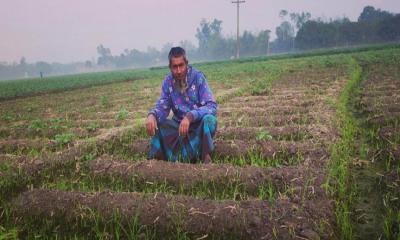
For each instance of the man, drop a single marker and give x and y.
(189, 135)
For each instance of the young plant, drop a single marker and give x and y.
(93, 126)
(122, 114)
(37, 125)
(263, 135)
(64, 139)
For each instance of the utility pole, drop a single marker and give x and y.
(238, 2)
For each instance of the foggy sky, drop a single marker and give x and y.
(70, 30)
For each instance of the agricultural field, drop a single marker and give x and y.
(377, 107)
(307, 147)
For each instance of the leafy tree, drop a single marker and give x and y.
(105, 58)
(283, 13)
(299, 19)
(189, 47)
(370, 14)
(285, 36)
(209, 37)
(389, 29)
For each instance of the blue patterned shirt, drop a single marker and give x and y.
(197, 99)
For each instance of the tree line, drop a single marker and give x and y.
(296, 32)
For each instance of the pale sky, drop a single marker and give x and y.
(70, 30)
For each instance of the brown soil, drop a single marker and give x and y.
(35, 167)
(289, 97)
(388, 132)
(24, 145)
(140, 146)
(290, 102)
(274, 120)
(387, 97)
(217, 219)
(261, 111)
(384, 119)
(392, 180)
(23, 132)
(239, 148)
(395, 152)
(383, 88)
(372, 94)
(49, 133)
(267, 149)
(113, 114)
(381, 101)
(114, 134)
(251, 133)
(189, 176)
(382, 109)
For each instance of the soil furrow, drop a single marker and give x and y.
(296, 182)
(216, 219)
(293, 132)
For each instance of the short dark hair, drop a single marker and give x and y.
(177, 52)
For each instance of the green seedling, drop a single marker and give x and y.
(264, 135)
(122, 114)
(64, 139)
(37, 125)
(93, 126)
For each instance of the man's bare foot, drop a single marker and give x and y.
(207, 159)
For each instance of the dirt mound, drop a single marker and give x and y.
(243, 148)
(253, 133)
(261, 111)
(268, 120)
(216, 219)
(188, 176)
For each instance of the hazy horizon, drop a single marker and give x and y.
(67, 31)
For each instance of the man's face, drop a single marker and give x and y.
(178, 68)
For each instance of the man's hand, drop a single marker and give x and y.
(151, 125)
(184, 127)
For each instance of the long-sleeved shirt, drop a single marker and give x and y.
(197, 99)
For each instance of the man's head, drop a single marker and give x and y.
(178, 63)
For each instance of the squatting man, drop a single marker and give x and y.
(188, 136)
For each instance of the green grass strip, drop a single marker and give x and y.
(33, 86)
(342, 153)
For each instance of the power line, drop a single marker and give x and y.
(238, 2)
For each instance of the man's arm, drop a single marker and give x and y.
(207, 101)
(163, 105)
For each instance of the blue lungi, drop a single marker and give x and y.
(166, 144)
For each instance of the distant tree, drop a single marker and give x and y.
(152, 56)
(284, 31)
(189, 47)
(389, 29)
(299, 19)
(105, 59)
(316, 34)
(209, 37)
(287, 30)
(349, 33)
(370, 14)
(283, 13)
(248, 43)
(88, 64)
(203, 34)
(284, 37)
(22, 61)
(166, 48)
